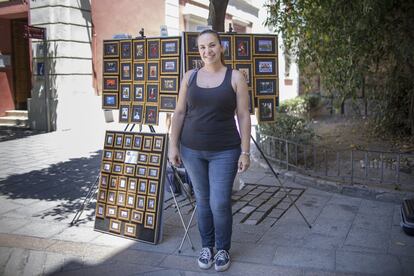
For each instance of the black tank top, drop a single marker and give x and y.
(209, 120)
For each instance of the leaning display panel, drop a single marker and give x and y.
(131, 185)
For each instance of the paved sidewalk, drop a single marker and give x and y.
(44, 177)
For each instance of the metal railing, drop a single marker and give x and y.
(347, 166)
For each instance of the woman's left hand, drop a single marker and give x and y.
(244, 163)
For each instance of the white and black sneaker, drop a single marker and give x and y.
(222, 260)
(205, 260)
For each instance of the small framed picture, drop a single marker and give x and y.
(158, 143)
(265, 66)
(113, 182)
(108, 155)
(111, 197)
(227, 44)
(126, 51)
(100, 210)
(242, 47)
(246, 70)
(168, 102)
(137, 216)
(119, 140)
(266, 109)
(131, 157)
(110, 101)
(170, 66)
(104, 180)
(125, 92)
(149, 220)
(265, 45)
(130, 200)
(191, 46)
(130, 230)
(137, 113)
(147, 143)
(139, 92)
(110, 83)
(251, 102)
(102, 195)
(153, 48)
(153, 70)
(122, 183)
(132, 185)
(140, 202)
(153, 172)
(124, 112)
(141, 171)
(123, 214)
(152, 187)
(151, 115)
(110, 48)
(110, 67)
(170, 47)
(128, 141)
(266, 86)
(139, 71)
(143, 158)
(193, 62)
(121, 198)
(115, 226)
(139, 49)
(106, 167)
(154, 159)
(111, 211)
(129, 169)
(119, 155)
(109, 139)
(126, 71)
(142, 186)
(169, 84)
(152, 93)
(137, 143)
(117, 168)
(151, 203)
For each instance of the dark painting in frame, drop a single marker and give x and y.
(110, 101)
(126, 71)
(265, 45)
(126, 50)
(139, 71)
(151, 114)
(153, 70)
(168, 102)
(153, 48)
(170, 66)
(267, 109)
(110, 83)
(169, 84)
(193, 62)
(265, 66)
(139, 49)
(124, 112)
(191, 46)
(125, 92)
(242, 48)
(152, 92)
(227, 44)
(138, 94)
(266, 86)
(170, 47)
(246, 70)
(110, 48)
(111, 66)
(137, 113)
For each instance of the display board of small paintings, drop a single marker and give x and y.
(254, 55)
(130, 195)
(141, 77)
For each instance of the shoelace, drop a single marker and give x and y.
(205, 254)
(222, 255)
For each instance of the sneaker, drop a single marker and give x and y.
(222, 260)
(205, 261)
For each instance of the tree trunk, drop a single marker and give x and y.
(217, 14)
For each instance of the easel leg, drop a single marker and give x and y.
(89, 195)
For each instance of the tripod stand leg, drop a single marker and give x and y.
(86, 201)
(280, 182)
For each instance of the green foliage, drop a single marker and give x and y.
(355, 45)
(301, 106)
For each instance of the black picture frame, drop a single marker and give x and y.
(137, 216)
(110, 83)
(266, 86)
(247, 71)
(119, 140)
(227, 44)
(142, 186)
(149, 221)
(138, 95)
(151, 114)
(126, 50)
(265, 45)
(191, 46)
(267, 108)
(125, 92)
(137, 142)
(110, 67)
(110, 100)
(110, 48)
(153, 48)
(137, 112)
(265, 66)
(170, 66)
(158, 144)
(169, 84)
(153, 70)
(170, 47)
(126, 71)
(152, 92)
(109, 139)
(139, 49)
(193, 62)
(152, 187)
(147, 143)
(168, 102)
(242, 48)
(124, 112)
(139, 71)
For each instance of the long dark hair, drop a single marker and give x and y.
(210, 31)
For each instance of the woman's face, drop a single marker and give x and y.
(209, 48)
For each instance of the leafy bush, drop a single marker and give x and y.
(301, 106)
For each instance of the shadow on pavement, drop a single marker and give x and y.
(12, 133)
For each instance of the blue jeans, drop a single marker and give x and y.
(212, 174)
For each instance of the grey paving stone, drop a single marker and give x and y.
(360, 237)
(276, 213)
(16, 262)
(339, 211)
(332, 227)
(247, 209)
(77, 234)
(372, 222)
(407, 265)
(248, 197)
(396, 216)
(377, 208)
(42, 230)
(35, 263)
(7, 205)
(238, 205)
(304, 257)
(9, 225)
(291, 234)
(245, 252)
(254, 218)
(374, 263)
(265, 207)
(324, 241)
(256, 202)
(5, 253)
(401, 244)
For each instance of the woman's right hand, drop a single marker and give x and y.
(174, 156)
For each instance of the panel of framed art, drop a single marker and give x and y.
(131, 185)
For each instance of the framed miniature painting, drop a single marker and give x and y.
(153, 70)
(170, 47)
(158, 143)
(143, 158)
(246, 70)
(139, 71)
(168, 103)
(115, 226)
(265, 45)
(106, 167)
(123, 181)
(153, 48)
(117, 168)
(131, 157)
(109, 139)
(242, 47)
(152, 187)
(129, 170)
(151, 114)
(139, 92)
(139, 49)
(111, 48)
(137, 216)
(113, 182)
(227, 44)
(137, 112)
(125, 92)
(130, 230)
(132, 185)
(140, 201)
(110, 101)
(170, 65)
(152, 93)
(124, 214)
(266, 86)
(265, 66)
(126, 71)
(110, 67)
(191, 46)
(100, 210)
(266, 109)
(193, 62)
(124, 112)
(147, 145)
(119, 155)
(126, 51)
(128, 141)
(110, 83)
(111, 211)
(153, 172)
(151, 203)
(137, 143)
(154, 159)
(149, 220)
(141, 172)
(142, 186)
(169, 84)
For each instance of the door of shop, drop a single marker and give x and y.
(21, 64)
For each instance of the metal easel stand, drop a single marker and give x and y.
(280, 182)
(91, 192)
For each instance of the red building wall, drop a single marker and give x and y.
(6, 74)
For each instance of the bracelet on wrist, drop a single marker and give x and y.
(245, 153)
